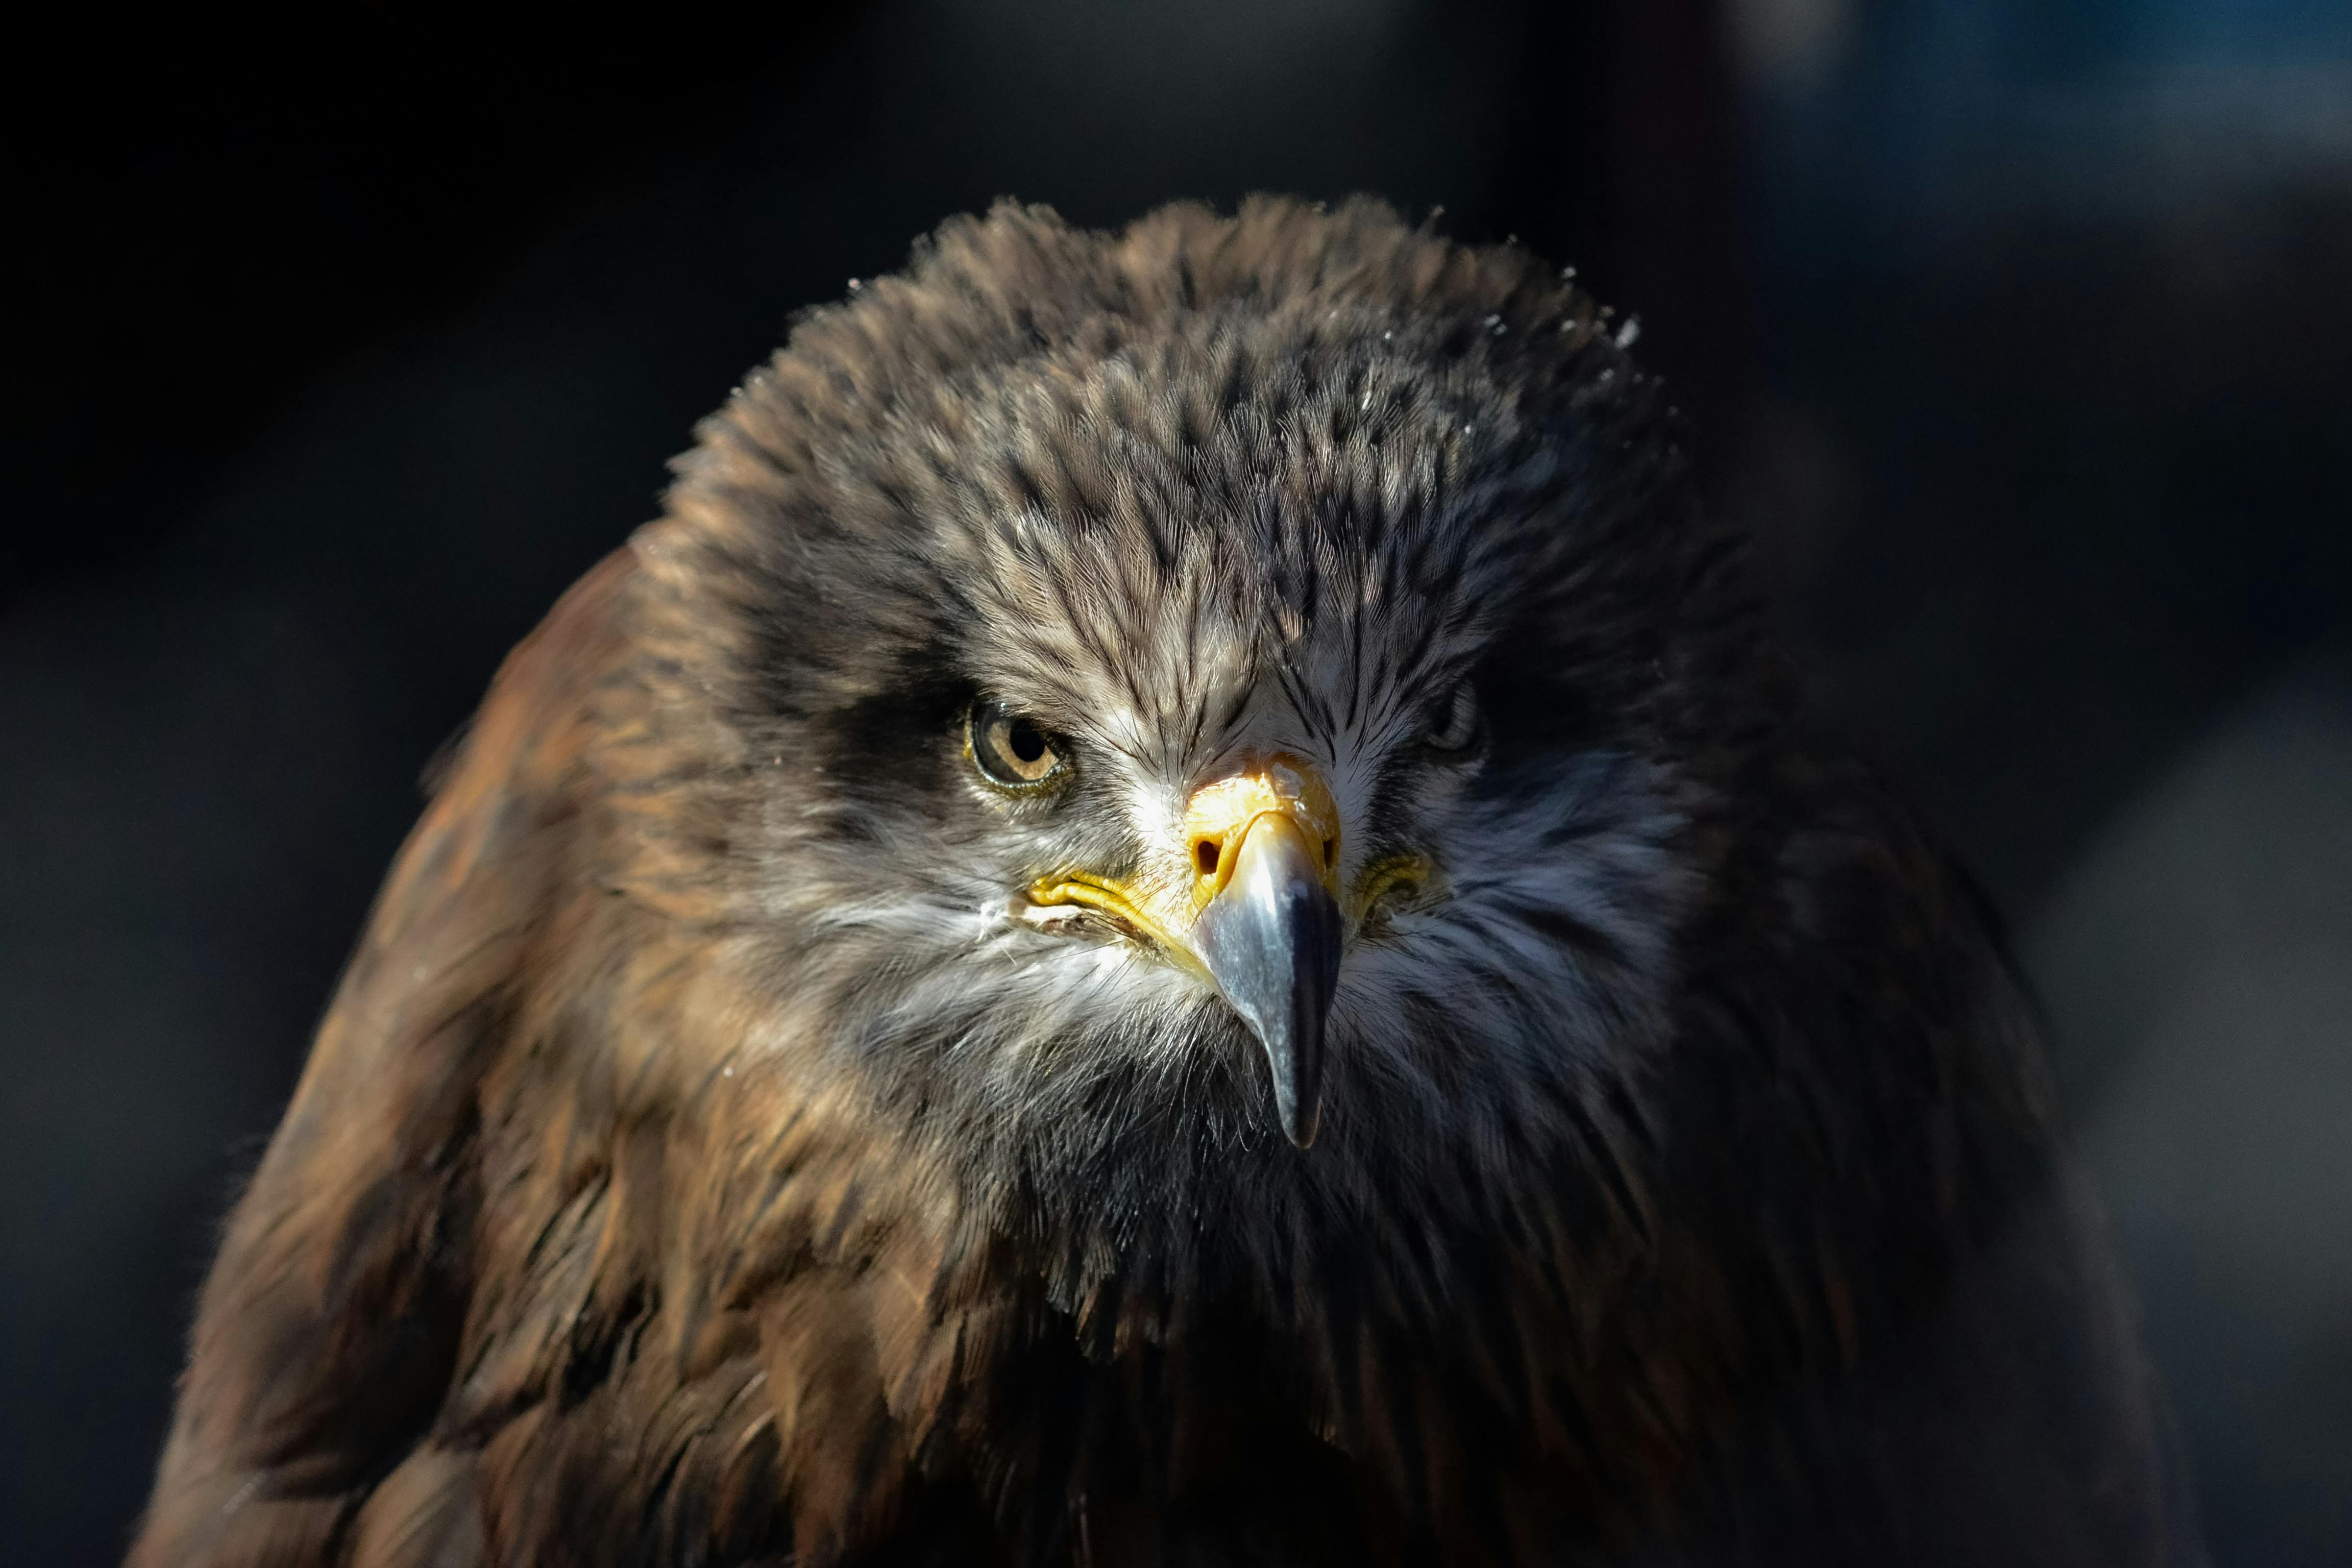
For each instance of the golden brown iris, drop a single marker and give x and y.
(1011, 750)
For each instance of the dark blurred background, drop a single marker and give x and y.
(2021, 331)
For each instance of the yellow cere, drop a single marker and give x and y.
(1220, 815)
(1221, 812)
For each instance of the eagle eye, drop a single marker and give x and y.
(1455, 725)
(1011, 750)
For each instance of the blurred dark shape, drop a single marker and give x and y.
(2018, 329)
(2195, 961)
(2056, 459)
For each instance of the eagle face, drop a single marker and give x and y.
(1188, 725)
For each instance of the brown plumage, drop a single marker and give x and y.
(727, 1147)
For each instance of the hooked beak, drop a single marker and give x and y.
(1265, 845)
(1261, 920)
(1270, 939)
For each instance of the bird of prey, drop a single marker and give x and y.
(1177, 913)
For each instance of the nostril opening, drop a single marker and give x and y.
(1205, 855)
(1331, 854)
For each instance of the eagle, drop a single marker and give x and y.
(1178, 913)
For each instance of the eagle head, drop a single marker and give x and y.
(1208, 691)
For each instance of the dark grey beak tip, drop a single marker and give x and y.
(1272, 941)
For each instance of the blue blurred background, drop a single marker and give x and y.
(2022, 334)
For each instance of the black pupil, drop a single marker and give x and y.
(1026, 742)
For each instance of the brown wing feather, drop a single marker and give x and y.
(541, 1264)
(329, 1327)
